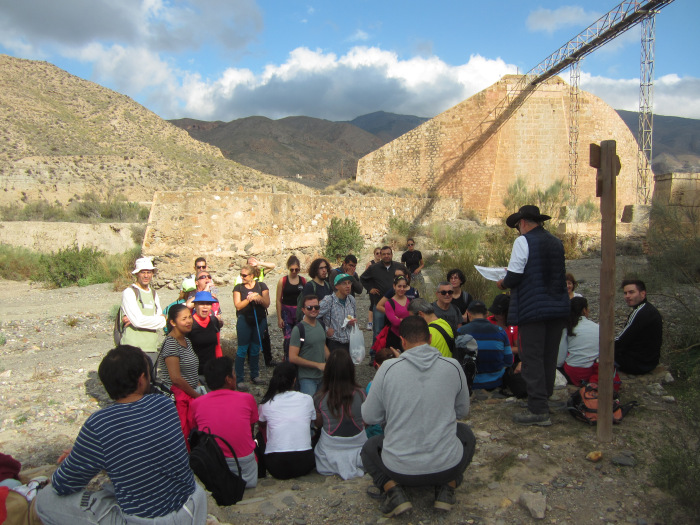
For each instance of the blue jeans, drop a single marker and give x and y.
(249, 338)
(378, 320)
(309, 386)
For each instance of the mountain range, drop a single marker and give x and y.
(323, 152)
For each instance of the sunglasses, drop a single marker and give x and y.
(245, 274)
(295, 270)
(201, 267)
(411, 244)
(203, 277)
(313, 307)
(446, 292)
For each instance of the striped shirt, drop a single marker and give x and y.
(140, 446)
(189, 363)
(494, 354)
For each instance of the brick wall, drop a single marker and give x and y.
(533, 144)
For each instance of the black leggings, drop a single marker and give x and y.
(288, 465)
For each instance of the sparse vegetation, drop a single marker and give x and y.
(344, 237)
(89, 208)
(68, 267)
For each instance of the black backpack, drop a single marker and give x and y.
(208, 463)
(302, 332)
(465, 352)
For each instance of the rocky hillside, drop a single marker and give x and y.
(320, 151)
(676, 146)
(64, 136)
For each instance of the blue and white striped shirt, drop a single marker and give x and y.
(141, 447)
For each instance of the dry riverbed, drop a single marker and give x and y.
(48, 387)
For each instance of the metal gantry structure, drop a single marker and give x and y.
(622, 17)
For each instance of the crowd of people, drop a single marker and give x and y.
(403, 429)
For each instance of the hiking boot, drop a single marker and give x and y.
(444, 497)
(257, 381)
(395, 502)
(242, 387)
(528, 418)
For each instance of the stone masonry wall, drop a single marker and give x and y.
(229, 227)
(533, 144)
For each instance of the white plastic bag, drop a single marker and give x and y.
(357, 345)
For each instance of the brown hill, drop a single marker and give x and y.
(320, 151)
(64, 136)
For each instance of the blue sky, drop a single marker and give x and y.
(226, 59)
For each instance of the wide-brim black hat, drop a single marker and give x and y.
(529, 212)
(500, 304)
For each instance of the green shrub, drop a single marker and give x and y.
(66, 267)
(401, 227)
(19, 264)
(344, 237)
(464, 248)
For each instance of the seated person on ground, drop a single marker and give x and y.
(638, 346)
(339, 414)
(441, 336)
(418, 397)
(494, 354)
(444, 308)
(382, 355)
(285, 422)
(138, 442)
(579, 346)
(230, 414)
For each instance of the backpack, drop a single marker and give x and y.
(302, 332)
(208, 463)
(119, 327)
(465, 352)
(583, 405)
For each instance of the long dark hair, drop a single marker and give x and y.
(283, 378)
(578, 305)
(339, 381)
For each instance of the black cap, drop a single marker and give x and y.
(500, 304)
(529, 212)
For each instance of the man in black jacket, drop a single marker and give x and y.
(638, 346)
(539, 306)
(377, 279)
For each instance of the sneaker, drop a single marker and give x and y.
(369, 327)
(444, 497)
(395, 502)
(528, 418)
(242, 387)
(257, 381)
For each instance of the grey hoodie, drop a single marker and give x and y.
(419, 395)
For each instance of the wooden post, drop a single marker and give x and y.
(608, 163)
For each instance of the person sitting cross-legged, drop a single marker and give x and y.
(418, 396)
(230, 414)
(138, 442)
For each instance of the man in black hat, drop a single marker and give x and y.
(539, 305)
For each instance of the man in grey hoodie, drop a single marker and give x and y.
(418, 397)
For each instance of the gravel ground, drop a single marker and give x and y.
(48, 386)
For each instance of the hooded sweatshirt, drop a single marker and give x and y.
(419, 395)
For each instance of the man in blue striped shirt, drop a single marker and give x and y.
(138, 442)
(494, 353)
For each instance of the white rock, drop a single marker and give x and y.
(6, 373)
(668, 399)
(534, 502)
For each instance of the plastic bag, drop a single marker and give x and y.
(357, 345)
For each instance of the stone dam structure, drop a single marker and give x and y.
(532, 144)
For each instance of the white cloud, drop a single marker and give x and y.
(673, 95)
(551, 20)
(319, 84)
(359, 36)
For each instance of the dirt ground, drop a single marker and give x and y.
(48, 387)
